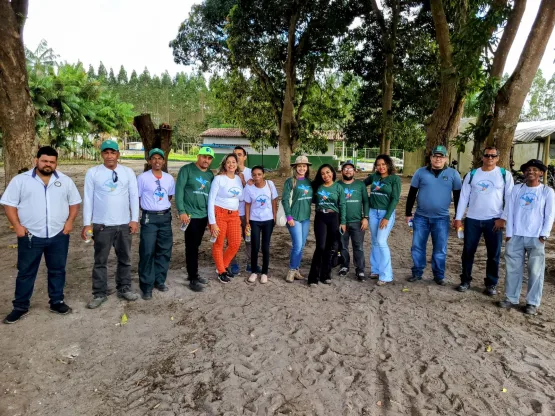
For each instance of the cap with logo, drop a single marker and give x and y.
(301, 160)
(441, 150)
(206, 151)
(347, 163)
(109, 145)
(156, 151)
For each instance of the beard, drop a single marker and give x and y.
(46, 172)
(348, 178)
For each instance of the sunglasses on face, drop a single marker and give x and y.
(438, 156)
(490, 156)
(114, 176)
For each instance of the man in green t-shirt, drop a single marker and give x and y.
(356, 198)
(191, 199)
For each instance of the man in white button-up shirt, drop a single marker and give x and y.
(41, 204)
(111, 212)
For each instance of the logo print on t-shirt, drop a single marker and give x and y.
(202, 182)
(485, 186)
(377, 185)
(111, 185)
(527, 200)
(348, 193)
(262, 199)
(235, 192)
(304, 188)
(159, 194)
(324, 195)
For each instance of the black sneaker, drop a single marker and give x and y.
(414, 278)
(202, 280)
(440, 282)
(15, 316)
(343, 271)
(463, 287)
(361, 277)
(506, 304)
(196, 286)
(224, 278)
(229, 273)
(60, 308)
(531, 310)
(491, 290)
(162, 287)
(146, 296)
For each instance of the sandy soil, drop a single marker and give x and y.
(280, 349)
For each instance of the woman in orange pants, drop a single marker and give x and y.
(226, 191)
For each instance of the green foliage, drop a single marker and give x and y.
(102, 74)
(540, 102)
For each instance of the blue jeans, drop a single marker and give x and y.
(299, 233)
(473, 230)
(439, 229)
(380, 256)
(29, 254)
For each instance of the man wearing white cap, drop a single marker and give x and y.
(111, 213)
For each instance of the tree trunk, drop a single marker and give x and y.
(499, 60)
(153, 138)
(443, 124)
(387, 104)
(512, 95)
(17, 114)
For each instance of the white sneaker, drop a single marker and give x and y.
(263, 279)
(252, 278)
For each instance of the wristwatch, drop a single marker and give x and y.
(543, 238)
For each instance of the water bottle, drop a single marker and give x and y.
(184, 226)
(88, 236)
(411, 225)
(248, 234)
(213, 238)
(460, 232)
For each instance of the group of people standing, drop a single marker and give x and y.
(238, 204)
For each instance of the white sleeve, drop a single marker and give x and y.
(171, 191)
(549, 212)
(88, 197)
(273, 190)
(508, 213)
(140, 182)
(465, 196)
(11, 196)
(73, 194)
(214, 188)
(133, 195)
(247, 194)
(509, 186)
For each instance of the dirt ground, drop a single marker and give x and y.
(277, 349)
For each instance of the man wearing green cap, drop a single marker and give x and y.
(191, 199)
(156, 189)
(431, 187)
(111, 213)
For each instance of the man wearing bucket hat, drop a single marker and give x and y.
(297, 203)
(529, 212)
(191, 199)
(111, 213)
(156, 189)
(432, 187)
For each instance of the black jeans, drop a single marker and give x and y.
(473, 231)
(106, 237)
(29, 254)
(155, 250)
(326, 232)
(193, 239)
(260, 229)
(356, 235)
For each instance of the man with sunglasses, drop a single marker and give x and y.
(111, 213)
(530, 212)
(484, 192)
(156, 189)
(431, 187)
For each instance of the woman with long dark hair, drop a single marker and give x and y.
(385, 190)
(226, 191)
(297, 202)
(330, 220)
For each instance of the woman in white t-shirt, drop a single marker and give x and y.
(226, 190)
(260, 211)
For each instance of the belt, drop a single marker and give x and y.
(326, 211)
(157, 212)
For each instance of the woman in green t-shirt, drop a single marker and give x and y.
(331, 212)
(385, 190)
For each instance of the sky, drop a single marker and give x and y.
(136, 33)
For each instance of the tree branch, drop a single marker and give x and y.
(275, 100)
(379, 17)
(509, 34)
(20, 9)
(442, 34)
(305, 91)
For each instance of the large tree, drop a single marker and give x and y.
(283, 43)
(17, 124)
(510, 98)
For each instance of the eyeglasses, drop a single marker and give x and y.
(348, 169)
(490, 156)
(438, 156)
(159, 189)
(114, 176)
